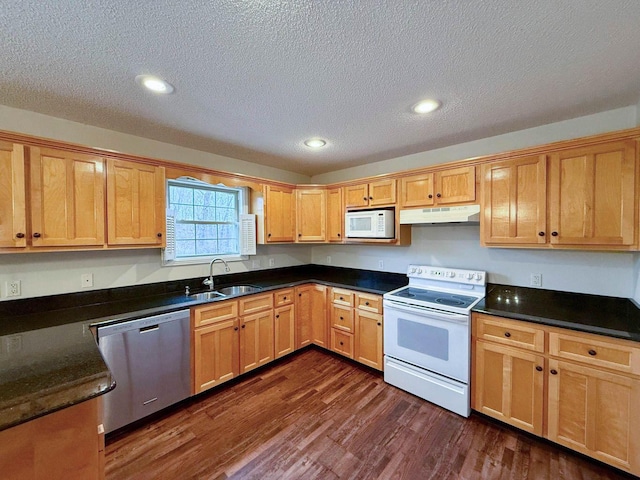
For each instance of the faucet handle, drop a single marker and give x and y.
(186, 290)
(207, 281)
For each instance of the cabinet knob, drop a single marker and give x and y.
(284, 298)
(341, 343)
(277, 316)
(554, 234)
(438, 195)
(299, 235)
(554, 372)
(379, 324)
(538, 368)
(243, 326)
(341, 318)
(36, 235)
(268, 234)
(507, 334)
(339, 235)
(592, 352)
(341, 298)
(19, 235)
(370, 198)
(364, 198)
(235, 328)
(541, 234)
(299, 294)
(366, 303)
(159, 235)
(430, 195)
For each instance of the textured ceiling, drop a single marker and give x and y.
(255, 78)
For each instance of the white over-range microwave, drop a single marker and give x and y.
(369, 224)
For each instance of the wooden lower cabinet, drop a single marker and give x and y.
(368, 334)
(256, 340)
(215, 354)
(311, 316)
(64, 445)
(595, 412)
(284, 324)
(577, 403)
(509, 385)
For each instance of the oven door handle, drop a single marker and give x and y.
(419, 310)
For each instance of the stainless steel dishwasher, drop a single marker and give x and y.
(150, 360)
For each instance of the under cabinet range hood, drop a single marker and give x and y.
(468, 214)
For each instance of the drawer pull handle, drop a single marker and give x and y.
(341, 343)
(284, 298)
(341, 298)
(538, 368)
(366, 303)
(507, 334)
(592, 352)
(554, 371)
(341, 318)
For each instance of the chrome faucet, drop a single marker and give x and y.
(209, 281)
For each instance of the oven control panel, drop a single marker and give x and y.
(427, 272)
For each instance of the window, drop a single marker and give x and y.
(203, 220)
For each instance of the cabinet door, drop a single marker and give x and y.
(215, 354)
(135, 204)
(304, 314)
(457, 185)
(508, 384)
(67, 198)
(311, 215)
(514, 201)
(335, 215)
(13, 227)
(595, 412)
(416, 191)
(368, 336)
(356, 195)
(256, 340)
(284, 330)
(591, 195)
(382, 193)
(280, 214)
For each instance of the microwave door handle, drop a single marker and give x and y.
(418, 310)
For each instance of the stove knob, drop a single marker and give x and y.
(469, 276)
(451, 274)
(413, 270)
(478, 276)
(419, 271)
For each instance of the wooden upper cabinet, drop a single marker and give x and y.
(446, 187)
(374, 194)
(514, 199)
(592, 195)
(311, 214)
(13, 226)
(67, 198)
(135, 204)
(280, 207)
(335, 215)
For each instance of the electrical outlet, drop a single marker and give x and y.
(272, 262)
(255, 263)
(13, 288)
(86, 280)
(535, 280)
(328, 259)
(380, 264)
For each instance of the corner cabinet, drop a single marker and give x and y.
(135, 204)
(577, 389)
(575, 198)
(311, 217)
(13, 213)
(280, 217)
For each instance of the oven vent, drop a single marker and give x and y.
(466, 214)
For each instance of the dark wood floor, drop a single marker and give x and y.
(317, 416)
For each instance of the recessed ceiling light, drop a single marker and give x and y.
(154, 84)
(315, 143)
(426, 106)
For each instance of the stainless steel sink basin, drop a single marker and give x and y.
(206, 295)
(239, 290)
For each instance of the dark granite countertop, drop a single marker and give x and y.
(49, 359)
(611, 316)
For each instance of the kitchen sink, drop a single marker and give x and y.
(207, 295)
(239, 290)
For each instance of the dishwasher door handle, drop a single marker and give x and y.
(150, 328)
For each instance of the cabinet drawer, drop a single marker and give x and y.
(509, 332)
(342, 342)
(369, 302)
(214, 312)
(283, 297)
(595, 350)
(341, 296)
(342, 318)
(255, 303)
